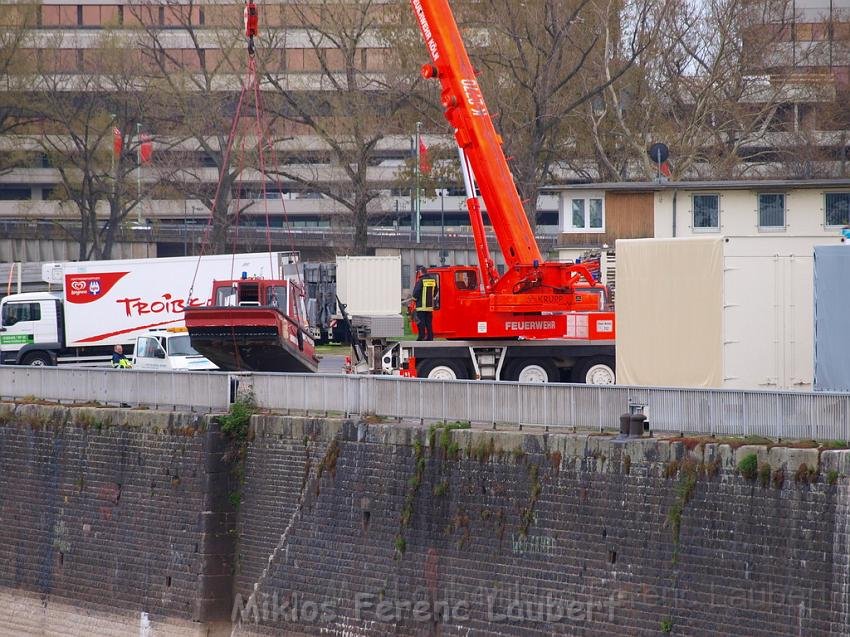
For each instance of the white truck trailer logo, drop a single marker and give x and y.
(109, 305)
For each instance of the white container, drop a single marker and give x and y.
(730, 312)
(369, 286)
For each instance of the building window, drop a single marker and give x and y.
(587, 214)
(771, 211)
(15, 193)
(837, 208)
(706, 212)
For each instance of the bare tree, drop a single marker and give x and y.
(538, 69)
(78, 114)
(195, 94)
(16, 71)
(703, 89)
(344, 85)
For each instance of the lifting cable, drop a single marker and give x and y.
(250, 85)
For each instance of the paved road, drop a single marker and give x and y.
(331, 363)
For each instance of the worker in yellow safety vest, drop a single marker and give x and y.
(118, 359)
(425, 295)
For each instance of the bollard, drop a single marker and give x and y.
(625, 419)
(636, 425)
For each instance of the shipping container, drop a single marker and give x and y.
(832, 316)
(369, 286)
(731, 312)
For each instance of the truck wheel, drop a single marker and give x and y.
(441, 370)
(595, 371)
(38, 359)
(533, 370)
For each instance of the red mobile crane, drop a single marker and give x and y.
(539, 318)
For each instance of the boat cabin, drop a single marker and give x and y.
(283, 294)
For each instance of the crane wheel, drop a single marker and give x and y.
(533, 370)
(596, 370)
(441, 370)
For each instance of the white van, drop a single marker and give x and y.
(168, 350)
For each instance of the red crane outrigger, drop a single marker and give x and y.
(534, 298)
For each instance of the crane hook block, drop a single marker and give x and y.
(251, 19)
(429, 72)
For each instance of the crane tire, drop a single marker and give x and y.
(595, 370)
(441, 370)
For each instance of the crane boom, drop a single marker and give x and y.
(467, 112)
(533, 298)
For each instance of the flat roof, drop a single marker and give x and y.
(731, 184)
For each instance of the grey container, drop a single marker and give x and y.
(832, 318)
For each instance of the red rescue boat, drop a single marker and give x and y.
(254, 325)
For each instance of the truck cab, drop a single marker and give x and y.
(30, 328)
(168, 350)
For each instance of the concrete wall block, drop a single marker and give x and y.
(220, 564)
(215, 586)
(836, 460)
(218, 543)
(217, 521)
(791, 459)
(762, 453)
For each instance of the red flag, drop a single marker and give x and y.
(665, 169)
(117, 141)
(145, 148)
(424, 163)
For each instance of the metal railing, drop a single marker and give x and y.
(203, 391)
(796, 415)
(193, 234)
(820, 416)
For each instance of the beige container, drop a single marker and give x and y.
(369, 286)
(731, 312)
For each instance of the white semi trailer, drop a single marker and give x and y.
(107, 303)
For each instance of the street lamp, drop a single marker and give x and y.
(186, 227)
(139, 224)
(442, 226)
(415, 203)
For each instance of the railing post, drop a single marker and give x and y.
(493, 404)
(443, 392)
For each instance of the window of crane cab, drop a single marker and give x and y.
(585, 213)
(466, 280)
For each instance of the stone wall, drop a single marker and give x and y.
(537, 534)
(117, 522)
(121, 515)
